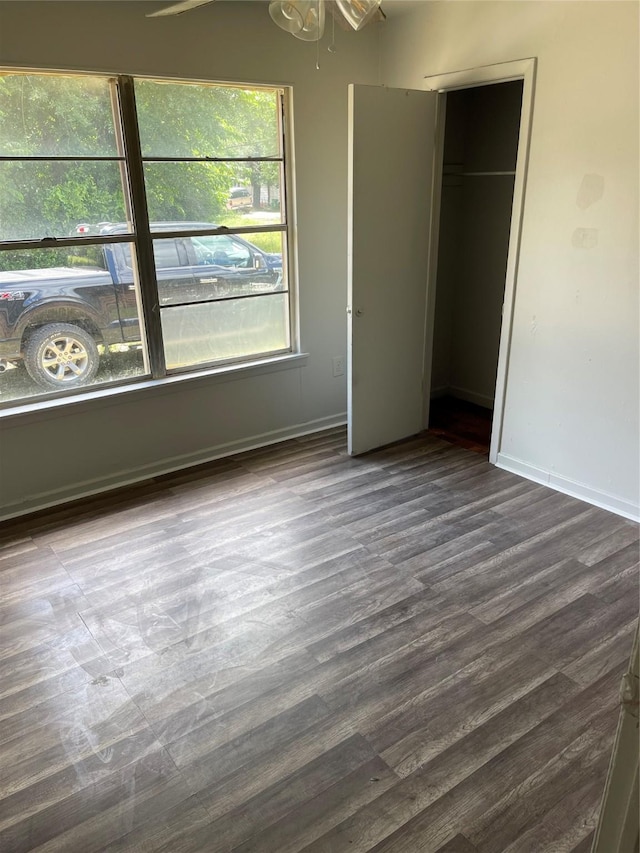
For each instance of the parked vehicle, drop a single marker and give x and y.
(57, 321)
(240, 198)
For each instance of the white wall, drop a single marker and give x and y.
(74, 449)
(571, 416)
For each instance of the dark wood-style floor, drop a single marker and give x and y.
(294, 650)
(461, 423)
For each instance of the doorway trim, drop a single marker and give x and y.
(502, 72)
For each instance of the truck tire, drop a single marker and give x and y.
(61, 355)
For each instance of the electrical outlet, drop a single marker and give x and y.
(338, 365)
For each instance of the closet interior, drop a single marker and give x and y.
(480, 149)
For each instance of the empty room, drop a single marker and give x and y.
(319, 426)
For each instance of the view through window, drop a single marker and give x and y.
(142, 229)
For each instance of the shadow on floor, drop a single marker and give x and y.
(461, 423)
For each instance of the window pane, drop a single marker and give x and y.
(213, 193)
(166, 253)
(200, 120)
(229, 329)
(228, 265)
(50, 199)
(270, 242)
(220, 266)
(53, 115)
(69, 318)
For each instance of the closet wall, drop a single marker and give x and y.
(481, 140)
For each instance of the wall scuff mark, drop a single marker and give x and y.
(591, 190)
(585, 238)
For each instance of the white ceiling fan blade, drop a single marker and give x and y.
(178, 8)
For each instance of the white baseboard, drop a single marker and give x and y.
(88, 488)
(569, 487)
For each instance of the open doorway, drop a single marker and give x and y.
(481, 137)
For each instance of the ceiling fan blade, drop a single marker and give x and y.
(178, 8)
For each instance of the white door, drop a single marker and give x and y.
(391, 166)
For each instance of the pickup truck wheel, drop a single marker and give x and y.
(61, 355)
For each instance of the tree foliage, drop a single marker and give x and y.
(73, 116)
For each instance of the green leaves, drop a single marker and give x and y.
(54, 116)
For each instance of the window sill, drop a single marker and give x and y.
(102, 397)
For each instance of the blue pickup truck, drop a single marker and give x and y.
(57, 321)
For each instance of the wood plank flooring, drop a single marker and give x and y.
(292, 650)
(462, 423)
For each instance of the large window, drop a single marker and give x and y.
(142, 229)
